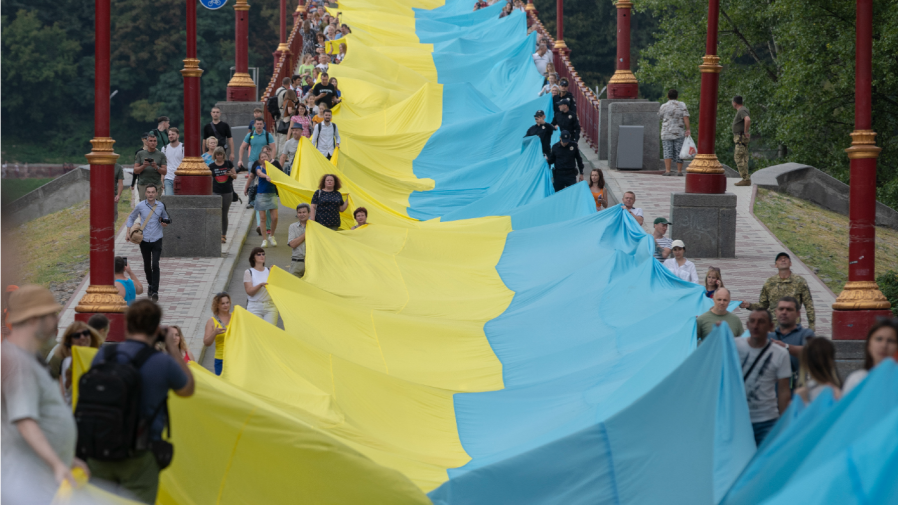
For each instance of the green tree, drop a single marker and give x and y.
(36, 60)
(793, 62)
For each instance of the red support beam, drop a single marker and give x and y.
(560, 47)
(861, 301)
(705, 174)
(623, 83)
(102, 297)
(241, 88)
(193, 176)
(282, 48)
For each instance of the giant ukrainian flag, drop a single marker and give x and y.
(483, 340)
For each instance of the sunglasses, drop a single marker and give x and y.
(260, 254)
(80, 334)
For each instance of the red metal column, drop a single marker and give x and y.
(283, 48)
(705, 174)
(861, 301)
(623, 83)
(102, 296)
(193, 176)
(560, 46)
(241, 88)
(300, 11)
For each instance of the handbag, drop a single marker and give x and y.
(163, 451)
(283, 126)
(135, 235)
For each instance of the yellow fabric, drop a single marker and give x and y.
(219, 340)
(232, 447)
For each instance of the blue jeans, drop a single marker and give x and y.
(219, 363)
(169, 187)
(762, 429)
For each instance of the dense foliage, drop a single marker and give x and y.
(48, 66)
(793, 62)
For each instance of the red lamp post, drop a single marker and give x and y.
(861, 301)
(193, 176)
(623, 83)
(560, 46)
(282, 48)
(705, 174)
(241, 88)
(102, 296)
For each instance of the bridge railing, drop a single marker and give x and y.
(587, 102)
(284, 67)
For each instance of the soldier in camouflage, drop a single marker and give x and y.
(741, 137)
(784, 284)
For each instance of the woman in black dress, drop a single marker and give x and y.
(328, 203)
(223, 175)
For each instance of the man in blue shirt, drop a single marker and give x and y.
(790, 334)
(254, 142)
(153, 214)
(138, 475)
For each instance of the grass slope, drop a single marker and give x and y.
(13, 189)
(820, 237)
(50, 249)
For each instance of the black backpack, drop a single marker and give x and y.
(110, 426)
(272, 104)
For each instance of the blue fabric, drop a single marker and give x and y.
(130, 290)
(846, 448)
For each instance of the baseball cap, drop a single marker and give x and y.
(144, 135)
(564, 101)
(778, 256)
(563, 81)
(565, 135)
(31, 301)
(539, 113)
(677, 243)
(661, 220)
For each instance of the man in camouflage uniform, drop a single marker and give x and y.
(741, 137)
(784, 284)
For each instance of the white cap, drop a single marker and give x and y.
(677, 243)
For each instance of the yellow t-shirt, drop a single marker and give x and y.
(219, 340)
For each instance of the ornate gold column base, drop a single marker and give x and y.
(192, 68)
(241, 80)
(529, 7)
(101, 299)
(705, 164)
(101, 153)
(193, 166)
(861, 295)
(863, 145)
(710, 64)
(559, 44)
(623, 77)
(283, 48)
(301, 9)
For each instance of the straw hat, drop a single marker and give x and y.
(31, 301)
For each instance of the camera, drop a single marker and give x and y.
(164, 220)
(148, 160)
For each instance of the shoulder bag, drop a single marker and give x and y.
(135, 234)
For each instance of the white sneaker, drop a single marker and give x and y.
(274, 243)
(264, 243)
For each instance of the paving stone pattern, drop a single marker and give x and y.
(756, 247)
(186, 284)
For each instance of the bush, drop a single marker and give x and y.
(888, 284)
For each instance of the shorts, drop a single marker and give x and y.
(266, 201)
(672, 149)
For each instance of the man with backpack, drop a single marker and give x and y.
(125, 392)
(326, 136)
(254, 142)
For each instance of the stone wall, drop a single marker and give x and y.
(58, 194)
(643, 114)
(811, 184)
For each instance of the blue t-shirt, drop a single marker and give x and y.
(130, 292)
(256, 143)
(158, 374)
(264, 185)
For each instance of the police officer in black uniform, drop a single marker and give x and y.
(563, 94)
(568, 164)
(566, 120)
(543, 130)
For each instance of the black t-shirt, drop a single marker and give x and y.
(221, 131)
(328, 211)
(222, 184)
(329, 93)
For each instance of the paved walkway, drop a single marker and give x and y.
(187, 284)
(756, 247)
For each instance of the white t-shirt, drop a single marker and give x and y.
(686, 272)
(760, 385)
(854, 378)
(173, 158)
(257, 277)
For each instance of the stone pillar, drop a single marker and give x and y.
(193, 176)
(705, 174)
(560, 46)
(102, 297)
(623, 83)
(861, 301)
(241, 88)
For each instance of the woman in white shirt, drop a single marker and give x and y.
(259, 302)
(882, 342)
(679, 265)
